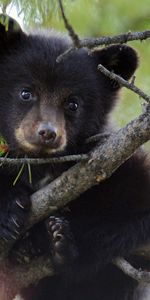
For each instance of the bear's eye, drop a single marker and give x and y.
(73, 104)
(26, 95)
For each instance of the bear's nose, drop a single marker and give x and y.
(47, 133)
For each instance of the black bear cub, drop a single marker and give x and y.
(49, 108)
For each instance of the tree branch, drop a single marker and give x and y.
(95, 42)
(71, 32)
(54, 160)
(39, 161)
(129, 270)
(82, 176)
(116, 39)
(107, 40)
(119, 146)
(124, 82)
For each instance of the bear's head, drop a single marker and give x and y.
(48, 107)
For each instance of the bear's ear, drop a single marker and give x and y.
(10, 31)
(121, 59)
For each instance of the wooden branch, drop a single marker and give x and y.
(107, 40)
(82, 176)
(38, 161)
(95, 42)
(98, 137)
(116, 39)
(124, 82)
(129, 270)
(61, 159)
(119, 146)
(71, 32)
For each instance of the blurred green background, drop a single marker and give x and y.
(95, 18)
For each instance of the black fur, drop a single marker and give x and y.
(109, 220)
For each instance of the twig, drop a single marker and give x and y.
(107, 40)
(129, 270)
(61, 159)
(67, 158)
(67, 187)
(72, 33)
(124, 82)
(97, 137)
(83, 175)
(65, 54)
(116, 39)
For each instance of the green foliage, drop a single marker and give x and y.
(96, 18)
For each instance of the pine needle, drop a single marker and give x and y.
(19, 174)
(29, 173)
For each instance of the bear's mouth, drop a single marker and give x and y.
(33, 147)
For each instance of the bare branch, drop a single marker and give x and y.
(129, 270)
(97, 137)
(124, 82)
(71, 32)
(67, 158)
(82, 176)
(64, 55)
(61, 159)
(116, 39)
(85, 174)
(107, 40)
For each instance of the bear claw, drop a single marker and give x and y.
(12, 223)
(61, 239)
